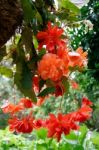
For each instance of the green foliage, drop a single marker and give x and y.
(37, 140)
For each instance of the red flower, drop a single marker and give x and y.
(83, 114)
(52, 67)
(51, 37)
(27, 103)
(24, 125)
(11, 108)
(86, 101)
(39, 123)
(78, 58)
(58, 125)
(65, 123)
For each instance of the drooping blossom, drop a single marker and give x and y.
(86, 101)
(65, 123)
(60, 124)
(52, 67)
(51, 38)
(24, 125)
(77, 58)
(83, 114)
(39, 123)
(27, 103)
(11, 108)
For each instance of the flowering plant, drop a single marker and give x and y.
(52, 69)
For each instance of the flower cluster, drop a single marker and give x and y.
(56, 125)
(65, 123)
(53, 70)
(58, 60)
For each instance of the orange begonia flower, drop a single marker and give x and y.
(52, 67)
(78, 58)
(11, 108)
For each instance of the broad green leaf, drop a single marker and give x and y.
(68, 5)
(41, 147)
(23, 80)
(72, 136)
(6, 71)
(95, 138)
(78, 147)
(28, 10)
(47, 91)
(41, 133)
(65, 146)
(41, 53)
(83, 131)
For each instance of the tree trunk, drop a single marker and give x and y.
(10, 18)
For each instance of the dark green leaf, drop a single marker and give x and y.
(29, 11)
(41, 53)
(47, 91)
(23, 80)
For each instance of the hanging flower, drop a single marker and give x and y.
(51, 38)
(86, 101)
(52, 67)
(24, 125)
(78, 58)
(11, 108)
(60, 124)
(27, 103)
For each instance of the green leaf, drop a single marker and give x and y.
(47, 91)
(83, 130)
(95, 138)
(41, 133)
(41, 53)
(28, 10)
(6, 71)
(35, 42)
(72, 136)
(78, 147)
(23, 80)
(68, 5)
